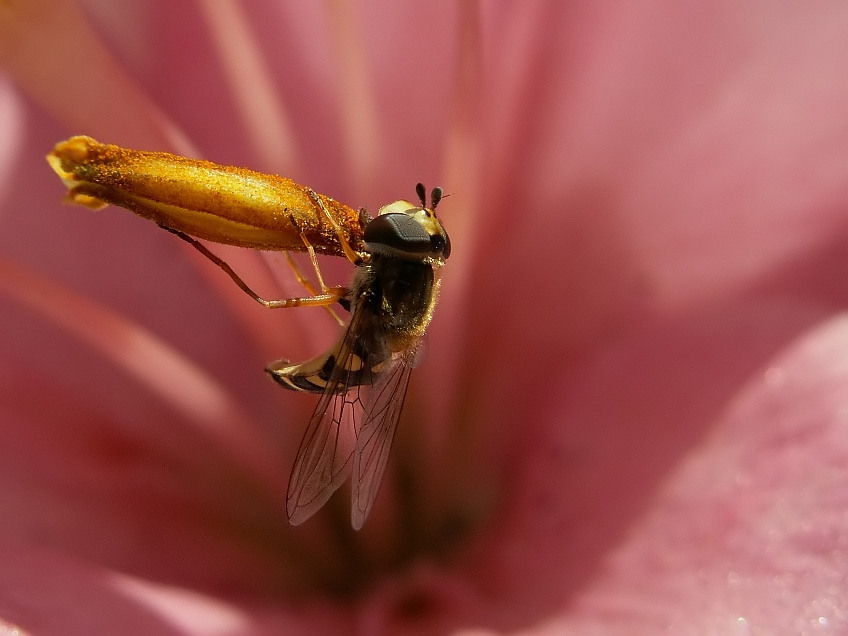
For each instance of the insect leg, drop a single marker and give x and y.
(303, 280)
(309, 287)
(328, 296)
(311, 251)
(351, 254)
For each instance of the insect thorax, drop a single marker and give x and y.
(398, 296)
(391, 307)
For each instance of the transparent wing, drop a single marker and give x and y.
(323, 460)
(385, 402)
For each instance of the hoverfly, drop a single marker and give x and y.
(362, 380)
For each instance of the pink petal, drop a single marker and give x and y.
(44, 593)
(747, 534)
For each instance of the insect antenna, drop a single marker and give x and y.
(422, 194)
(436, 196)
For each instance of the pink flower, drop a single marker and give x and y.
(631, 414)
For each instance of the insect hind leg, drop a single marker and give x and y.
(311, 288)
(344, 302)
(329, 295)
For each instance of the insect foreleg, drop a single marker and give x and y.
(353, 256)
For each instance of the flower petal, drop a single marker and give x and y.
(748, 534)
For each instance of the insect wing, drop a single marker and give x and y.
(323, 460)
(385, 403)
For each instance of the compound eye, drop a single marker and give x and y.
(398, 233)
(440, 244)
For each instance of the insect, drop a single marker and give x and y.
(362, 380)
